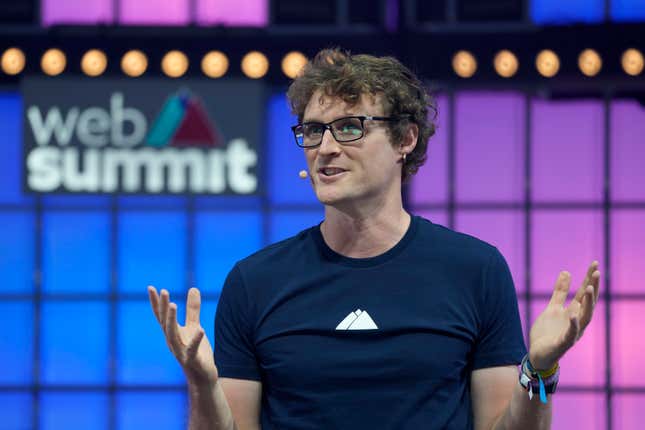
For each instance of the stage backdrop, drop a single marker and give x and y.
(553, 184)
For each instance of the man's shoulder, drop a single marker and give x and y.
(448, 241)
(284, 252)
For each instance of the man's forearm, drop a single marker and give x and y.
(524, 413)
(209, 409)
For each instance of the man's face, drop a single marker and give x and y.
(360, 172)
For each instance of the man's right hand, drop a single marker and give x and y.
(188, 343)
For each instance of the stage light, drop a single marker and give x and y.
(174, 64)
(215, 64)
(134, 63)
(13, 61)
(589, 62)
(94, 62)
(53, 62)
(464, 64)
(506, 63)
(632, 61)
(292, 63)
(255, 65)
(547, 63)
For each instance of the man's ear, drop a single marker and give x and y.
(409, 141)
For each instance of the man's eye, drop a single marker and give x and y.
(313, 129)
(350, 127)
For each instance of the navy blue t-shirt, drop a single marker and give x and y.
(387, 342)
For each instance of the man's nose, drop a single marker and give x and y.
(328, 144)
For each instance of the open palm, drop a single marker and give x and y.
(188, 342)
(558, 327)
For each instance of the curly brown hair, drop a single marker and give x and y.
(337, 73)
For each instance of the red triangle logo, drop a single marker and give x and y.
(195, 128)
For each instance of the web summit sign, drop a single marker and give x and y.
(141, 136)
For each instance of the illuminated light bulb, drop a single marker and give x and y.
(464, 64)
(547, 63)
(94, 62)
(255, 65)
(53, 62)
(215, 64)
(506, 63)
(589, 62)
(134, 63)
(632, 61)
(13, 61)
(292, 63)
(174, 64)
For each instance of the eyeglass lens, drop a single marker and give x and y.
(343, 129)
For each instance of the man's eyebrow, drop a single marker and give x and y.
(312, 120)
(319, 121)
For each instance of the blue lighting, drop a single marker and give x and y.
(74, 342)
(17, 252)
(152, 250)
(567, 12)
(221, 239)
(76, 254)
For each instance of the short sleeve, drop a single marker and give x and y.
(500, 341)
(234, 347)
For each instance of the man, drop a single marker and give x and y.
(374, 319)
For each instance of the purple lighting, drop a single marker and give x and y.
(249, 13)
(567, 152)
(76, 12)
(627, 151)
(564, 240)
(489, 133)
(628, 249)
(154, 12)
(429, 184)
(579, 410)
(627, 342)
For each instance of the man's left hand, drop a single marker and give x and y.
(559, 327)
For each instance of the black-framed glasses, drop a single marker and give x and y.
(346, 129)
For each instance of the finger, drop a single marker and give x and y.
(193, 346)
(154, 302)
(586, 281)
(174, 339)
(561, 289)
(595, 282)
(193, 305)
(163, 308)
(586, 310)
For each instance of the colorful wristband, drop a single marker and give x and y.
(534, 382)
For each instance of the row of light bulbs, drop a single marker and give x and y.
(547, 63)
(255, 64)
(134, 63)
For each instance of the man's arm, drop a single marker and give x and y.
(229, 404)
(215, 403)
(500, 402)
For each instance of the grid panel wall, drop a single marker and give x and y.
(563, 219)
(91, 334)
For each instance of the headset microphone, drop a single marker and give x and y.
(303, 174)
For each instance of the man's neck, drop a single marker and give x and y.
(366, 234)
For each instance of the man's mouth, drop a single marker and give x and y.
(330, 171)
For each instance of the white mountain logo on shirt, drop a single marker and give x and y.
(357, 320)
